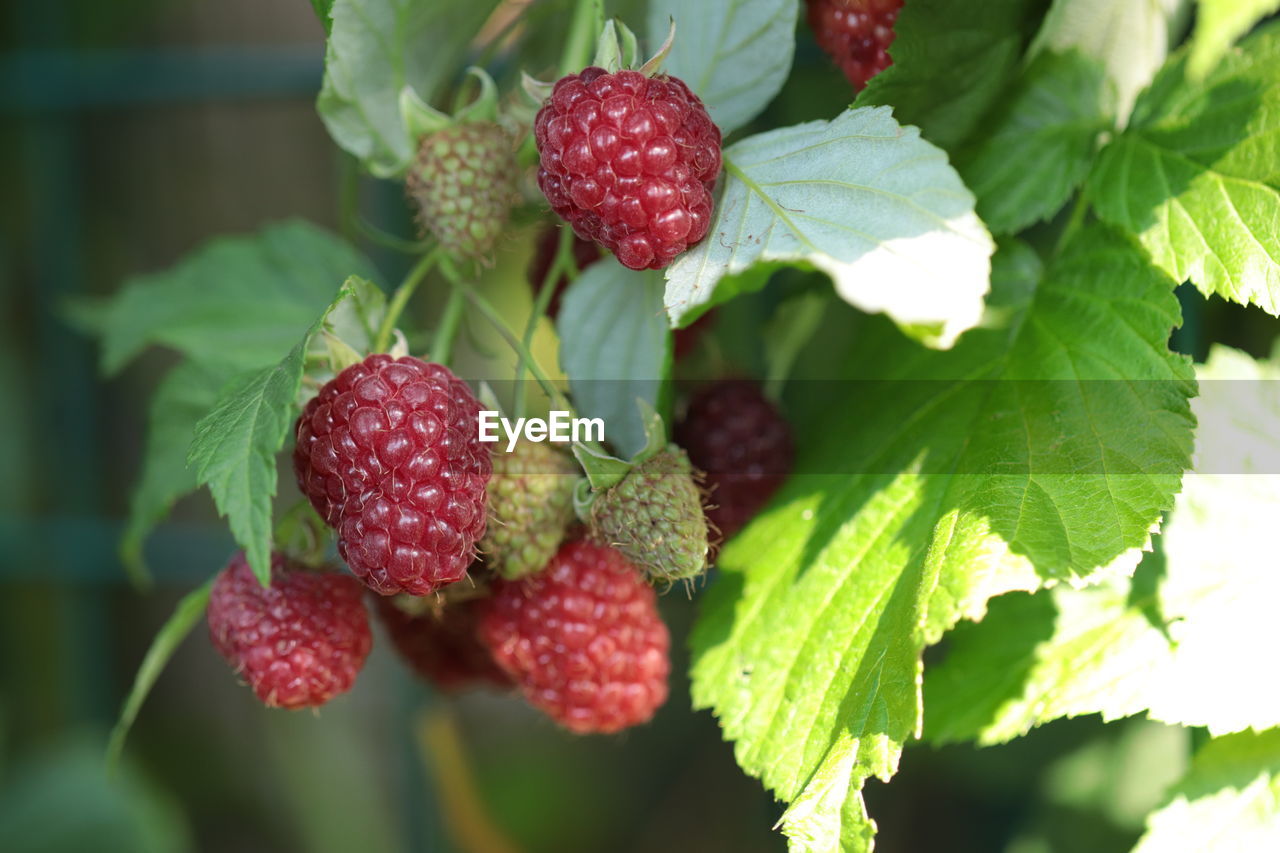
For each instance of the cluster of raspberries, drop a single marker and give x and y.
(476, 563)
(389, 455)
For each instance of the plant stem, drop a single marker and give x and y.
(491, 314)
(447, 329)
(401, 298)
(559, 266)
(584, 29)
(378, 237)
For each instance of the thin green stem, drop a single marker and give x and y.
(495, 319)
(560, 265)
(584, 29)
(378, 237)
(401, 298)
(447, 328)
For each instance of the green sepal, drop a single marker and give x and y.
(602, 470)
(537, 90)
(584, 497)
(484, 107)
(652, 64)
(420, 118)
(488, 399)
(340, 354)
(655, 432)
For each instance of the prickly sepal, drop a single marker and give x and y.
(530, 507)
(654, 517)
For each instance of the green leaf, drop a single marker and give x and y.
(238, 301)
(615, 348)
(189, 611)
(1191, 649)
(1040, 143)
(734, 56)
(1228, 802)
(866, 201)
(1043, 447)
(951, 61)
(235, 446)
(1131, 38)
(324, 9)
(378, 47)
(186, 394)
(1218, 24)
(1197, 175)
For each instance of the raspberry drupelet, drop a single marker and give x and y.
(299, 642)
(630, 162)
(389, 454)
(582, 639)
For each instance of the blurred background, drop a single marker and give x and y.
(132, 132)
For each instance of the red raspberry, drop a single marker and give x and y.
(856, 34)
(389, 453)
(686, 339)
(299, 642)
(629, 161)
(733, 433)
(442, 644)
(583, 639)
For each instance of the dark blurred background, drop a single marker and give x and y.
(133, 131)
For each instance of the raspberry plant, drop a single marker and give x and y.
(972, 264)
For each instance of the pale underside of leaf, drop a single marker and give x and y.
(1130, 37)
(868, 202)
(735, 56)
(614, 347)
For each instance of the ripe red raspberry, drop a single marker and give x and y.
(582, 639)
(686, 339)
(389, 453)
(442, 644)
(629, 161)
(735, 434)
(299, 642)
(856, 34)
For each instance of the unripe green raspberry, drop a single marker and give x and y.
(464, 182)
(530, 507)
(654, 517)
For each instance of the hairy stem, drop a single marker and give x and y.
(561, 264)
(584, 29)
(491, 314)
(401, 298)
(447, 329)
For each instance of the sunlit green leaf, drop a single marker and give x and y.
(1042, 447)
